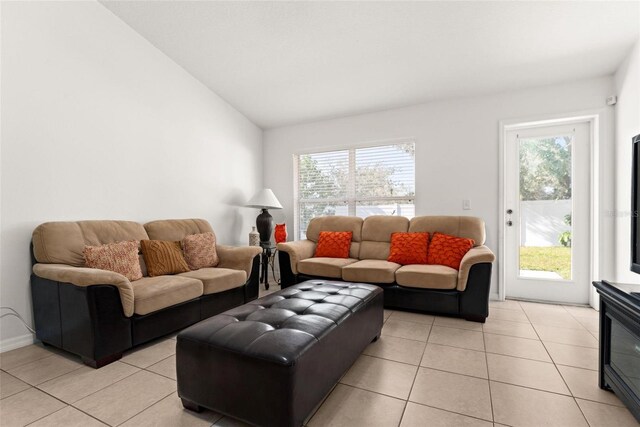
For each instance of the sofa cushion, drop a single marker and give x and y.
(324, 267)
(217, 280)
(63, 242)
(176, 229)
(376, 235)
(155, 293)
(121, 258)
(409, 248)
(200, 250)
(337, 223)
(334, 244)
(379, 228)
(163, 257)
(469, 227)
(370, 271)
(427, 276)
(448, 250)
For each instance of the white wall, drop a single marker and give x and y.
(456, 147)
(99, 124)
(627, 125)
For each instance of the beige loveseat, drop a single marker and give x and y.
(434, 288)
(98, 314)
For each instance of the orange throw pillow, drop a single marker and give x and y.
(163, 257)
(448, 250)
(334, 244)
(409, 248)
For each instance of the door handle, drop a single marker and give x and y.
(509, 222)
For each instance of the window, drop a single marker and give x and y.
(364, 181)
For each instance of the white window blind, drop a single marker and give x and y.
(378, 180)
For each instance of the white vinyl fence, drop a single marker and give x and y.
(542, 221)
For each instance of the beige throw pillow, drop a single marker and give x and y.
(120, 257)
(200, 250)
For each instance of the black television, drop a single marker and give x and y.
(635, 205)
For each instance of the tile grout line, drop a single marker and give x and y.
(533, 388)
(31, 361)
(517, 357)
(37, 389)
(43, 417)
(573, 396)
(128, 376)
(73, 405)
(27, 384)
(157, 373)
(413, 383)
(559, 373)
(486, 361)
(91, 394)
(514, 336)
(588, 330)
(452, 412)
(404, 408)
(552, 360)
(557, 370)
(52, 378)
(370, 391)
(61, 401)
(415, 377)
(84, 412)
(145, 408)
(386, 360)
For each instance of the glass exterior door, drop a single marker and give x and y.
(547, 213)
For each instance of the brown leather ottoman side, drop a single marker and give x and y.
(270, 362)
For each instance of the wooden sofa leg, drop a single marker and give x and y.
(191, 405)
(99, 363)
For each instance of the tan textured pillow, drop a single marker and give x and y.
(200, 250)
(163, 257)
(120, 257)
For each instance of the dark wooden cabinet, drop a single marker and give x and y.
(620, 342)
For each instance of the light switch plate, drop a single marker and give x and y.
(466, 204)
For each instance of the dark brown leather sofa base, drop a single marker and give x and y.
(270, 362)
(89, 321)
(471, 304)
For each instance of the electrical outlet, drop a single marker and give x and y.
(466, 204)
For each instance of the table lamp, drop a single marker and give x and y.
(265, 200)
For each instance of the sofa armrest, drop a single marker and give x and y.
(237, 257)
(477, 255)
(82, 276)
(298, 251)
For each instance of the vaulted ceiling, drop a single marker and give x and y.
(282, 63)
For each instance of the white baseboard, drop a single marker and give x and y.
(16, 342)
(494, 297)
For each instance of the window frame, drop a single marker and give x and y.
(351, 200)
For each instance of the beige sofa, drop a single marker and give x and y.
(98, 314)
(434, 288)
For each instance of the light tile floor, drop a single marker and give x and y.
(528, 365)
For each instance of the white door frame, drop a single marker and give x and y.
(593, 120)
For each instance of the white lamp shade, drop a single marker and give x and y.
(264, 199)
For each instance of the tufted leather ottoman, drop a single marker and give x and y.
(270, 362)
